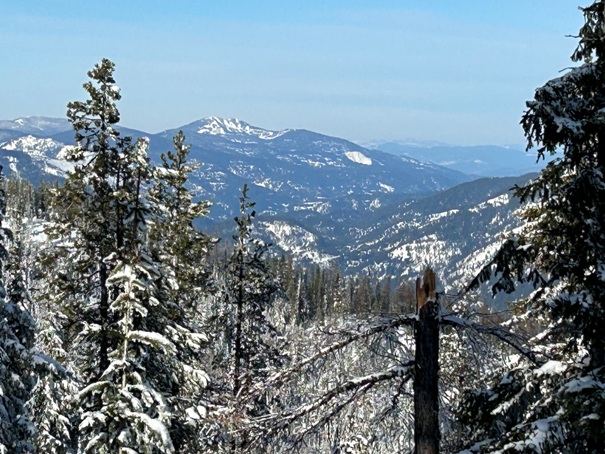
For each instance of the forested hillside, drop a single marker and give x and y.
(125, 327)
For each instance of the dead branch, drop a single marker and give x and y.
(280, 377)
(271, 424)
(513, 340)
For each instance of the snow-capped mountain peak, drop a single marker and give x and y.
(33, 146)
(233, 126)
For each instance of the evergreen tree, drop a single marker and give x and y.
(184, 251)
(53, 402)
(559, 407)
(173, 236)
(138, 379)
(50, 401)
(86, 226)
(125, 407)
(249, 291)
(16, 356)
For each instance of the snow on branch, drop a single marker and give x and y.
(280, 377)
(273, 423)
(511, 339)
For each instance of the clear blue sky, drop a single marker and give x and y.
(453, 71)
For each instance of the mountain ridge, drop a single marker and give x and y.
(287, 169)
(321, 198)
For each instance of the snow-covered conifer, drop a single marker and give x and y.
(172, 233)
(116, 291)
(53, 402)
(183, 251)
(559, 405)
(16, 356)
(252, 292)
(86, 224)
(250, 352)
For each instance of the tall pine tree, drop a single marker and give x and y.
(138, 379)
(183, 251)
(16, 356)
(251, 351)
(560, 406)
(173, 234)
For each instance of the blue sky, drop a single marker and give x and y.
(452, 71)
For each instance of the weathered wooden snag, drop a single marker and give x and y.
(426, 333)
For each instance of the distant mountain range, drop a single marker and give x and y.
(383, 212)
(482, 160)
(287, 170)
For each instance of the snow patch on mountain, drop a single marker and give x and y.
(313, 163)
(268, 184)
(469, 266)
(386, 187)
(296, 240)
(358, 157)
(437, 216)
(417, 252)
(494, 202)
(36, 125)
(13, 164)
(57, 167)
(46, 155)
(499, 201)
(375, 204)
(318, 207)
(247, 171)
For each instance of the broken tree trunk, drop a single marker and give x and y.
(426, 333)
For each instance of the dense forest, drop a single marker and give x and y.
(124, 328)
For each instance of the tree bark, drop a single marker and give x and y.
(426, 404)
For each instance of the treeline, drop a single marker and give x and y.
(317, 293)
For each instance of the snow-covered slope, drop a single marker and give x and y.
(454, 231)
(33, 158)
(33, 146)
